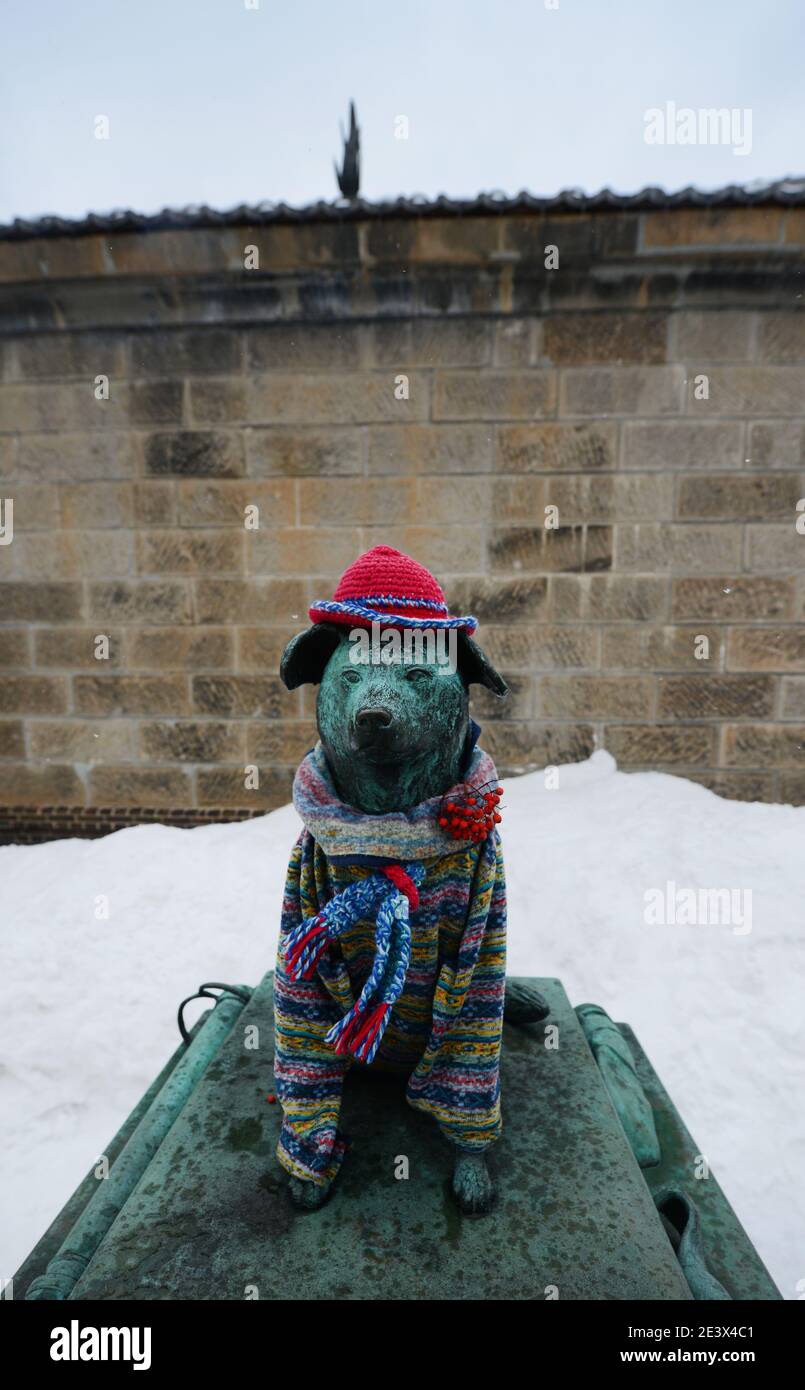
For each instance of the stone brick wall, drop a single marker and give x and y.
(528, 388)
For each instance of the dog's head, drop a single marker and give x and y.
(393, 713)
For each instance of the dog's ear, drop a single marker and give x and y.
(307, 654)
(475, 669)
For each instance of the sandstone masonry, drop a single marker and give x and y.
(421, 379)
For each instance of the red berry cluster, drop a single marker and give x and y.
(473, 815)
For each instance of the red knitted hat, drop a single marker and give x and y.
(385, 586)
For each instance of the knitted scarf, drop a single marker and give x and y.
(391, 954)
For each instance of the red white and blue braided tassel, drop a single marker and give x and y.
(392, 893)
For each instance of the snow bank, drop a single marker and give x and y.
(89, 1001)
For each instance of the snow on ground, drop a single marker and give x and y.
(89, 1002)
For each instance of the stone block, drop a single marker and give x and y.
(753, 390)
(765, 746)
(181, 352)
(75, 457)
(74, 648)
(12, 740)
(681, 444)
(537, 550)
(661, 648)
(26, 602)
(356, 398)
(556, 448)
(493, 600)
(611, 338)
(14, 649)
(105, 695)
(328, 502)
(302, 453)
(772, 548)
(214, 503)
(716, 697)
(25, 784)
(525, 747)
(282, 741)
(179, 649)
(191, 741)
(622, 391)
(776, 444)
(240, 696)
(225, 786)
(494, 395)
(646, 745)
(149, 601)
(732, 598)
(201, 551)
(689, 547)
(766, 649)
(303, 550)
(609, 598)
(439, 449)
(87, 506)
(742, 497)
(33, 695)
(80, 741)
(595, 697)
(782, 337)
(140, 786)
(252, 601)
(429, 342)
(194, 454)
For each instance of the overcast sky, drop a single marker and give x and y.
(209, 101)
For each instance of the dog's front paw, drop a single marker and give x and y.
(472, 1185)
(308, 1196)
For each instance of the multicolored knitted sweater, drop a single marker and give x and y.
(437, 1009)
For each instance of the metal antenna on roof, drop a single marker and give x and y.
(349, 175)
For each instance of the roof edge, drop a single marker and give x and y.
(787, 192)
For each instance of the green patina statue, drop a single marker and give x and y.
(392, 949)
(392, 960)
(394, 734)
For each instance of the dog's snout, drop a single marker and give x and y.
(373, 720)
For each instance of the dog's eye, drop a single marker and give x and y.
(350, 677)
(417, 673)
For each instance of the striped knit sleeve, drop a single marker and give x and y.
(308, 1073)
(458, 1079)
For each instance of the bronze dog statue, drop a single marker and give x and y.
(392, 946)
